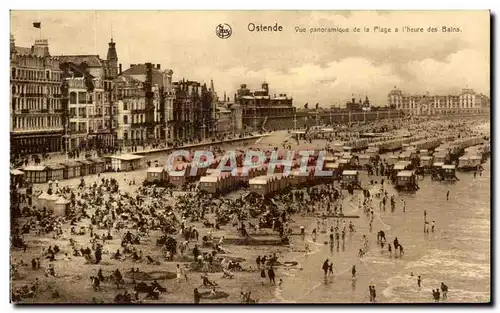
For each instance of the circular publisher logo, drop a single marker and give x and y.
(223, 31)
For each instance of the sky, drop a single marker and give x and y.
(324, 68)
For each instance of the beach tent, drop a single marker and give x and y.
(60, 206)
(42, 200)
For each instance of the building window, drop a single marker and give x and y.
(125, 107)
(72, 97)
(82, 97)
(125, 119)
(125, 135)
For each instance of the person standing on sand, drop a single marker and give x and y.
(447, 195)
(178, 273)
(353, 272)
(263, 275)
(196, 296)
(419, 281)
(272, 275)
(444, 290)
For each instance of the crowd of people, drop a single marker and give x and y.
(155, 225)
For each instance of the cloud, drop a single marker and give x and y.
(324, 68)
(330, 85)
(463, 68)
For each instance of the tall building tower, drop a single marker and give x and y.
(112, 60)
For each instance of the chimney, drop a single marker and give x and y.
(41, 48)
(120, 69)
(158, 66)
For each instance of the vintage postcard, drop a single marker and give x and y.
(250, 157)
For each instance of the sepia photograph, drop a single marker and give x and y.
(250, 157)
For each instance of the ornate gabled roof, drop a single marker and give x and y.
(138, 71)
(23, 50)
(90, 60)
(127, 79)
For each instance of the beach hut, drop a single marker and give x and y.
(426, 161)
(448, 171)
(126, 162)
(209, 184)
(297, 177)
(36, 174)
(364, 160)
(16, 177)
(179, 175)
(350, 177)
(155, 175)
(86, 168)
(71, 169)
(99, 165)
(60, 206)
(55, 171)
(259, 185)
(406, 180)
(334, 168)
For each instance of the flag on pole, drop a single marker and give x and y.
(37, 25)
(317, 106)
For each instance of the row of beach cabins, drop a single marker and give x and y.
(417, 153)
(68, 169)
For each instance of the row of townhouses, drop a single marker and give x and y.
(78, 102)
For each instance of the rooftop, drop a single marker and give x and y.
(90, 60)
(127, 157)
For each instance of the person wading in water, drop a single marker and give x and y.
(325, 267)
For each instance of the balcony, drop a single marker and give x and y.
(34, 95)
(138, 111)
(76, 132)
(136, 124)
